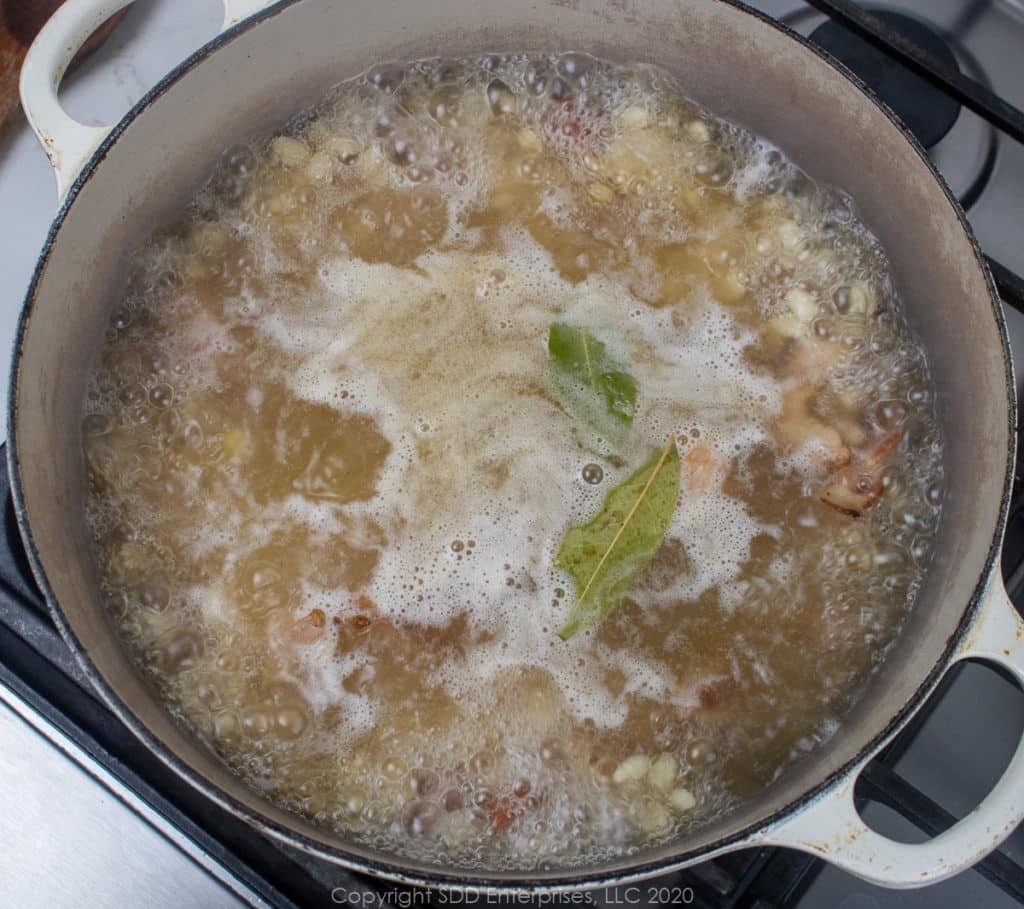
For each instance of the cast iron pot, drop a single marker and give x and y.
(116, 184)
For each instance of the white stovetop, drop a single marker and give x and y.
(70, 836)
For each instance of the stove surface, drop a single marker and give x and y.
(953, 757)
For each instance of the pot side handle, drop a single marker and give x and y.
(832, 829)
(67, 143)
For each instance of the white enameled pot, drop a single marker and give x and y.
(116, 183)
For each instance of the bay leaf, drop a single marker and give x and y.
(607, 554)
(591, 384)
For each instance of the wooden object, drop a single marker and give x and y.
(20, 21)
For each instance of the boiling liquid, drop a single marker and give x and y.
(329, 468)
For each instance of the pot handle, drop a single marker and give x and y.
(832, 829)
(67, 143)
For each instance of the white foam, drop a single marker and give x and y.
(757, 169)
(481, 453)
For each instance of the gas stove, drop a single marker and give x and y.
(90, 817)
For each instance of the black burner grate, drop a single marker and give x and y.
(948, 79)
(35, 663)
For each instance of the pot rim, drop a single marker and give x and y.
(410, 872)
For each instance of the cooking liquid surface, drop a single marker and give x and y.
(331, 462)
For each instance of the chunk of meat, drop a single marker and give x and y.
(504, 813)
(309, 629)
(288, 637)
(703, 468)
(858, 485)
(358, 619)
(505, 809)
(720, 693)
(720, 700)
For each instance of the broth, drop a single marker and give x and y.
(335, 454)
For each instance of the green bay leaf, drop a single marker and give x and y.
(607, 554)
(591, 384)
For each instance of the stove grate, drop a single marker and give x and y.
(969, 92)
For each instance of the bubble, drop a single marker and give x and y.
(891, 414)
(423, 781)
(420, 173)
(536, 80)
(559, 89)
(133, 394)
(290, 722)
(452, 800)
(911, 517)
(256, 722)
(161, 395)
(401, 151)
(715, 171)
(576, 68)
(921, 549)
(446, 104)
(842, 300)
(226, 728)
(155, 596)
(701, 752)
(385, 125)
(239, 161)
(121, 318)
(386, 78)
(592, 473)
(500, 98)
(892, 478)
(420, 819)
(919, 396)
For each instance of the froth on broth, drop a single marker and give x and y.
(330, 468)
